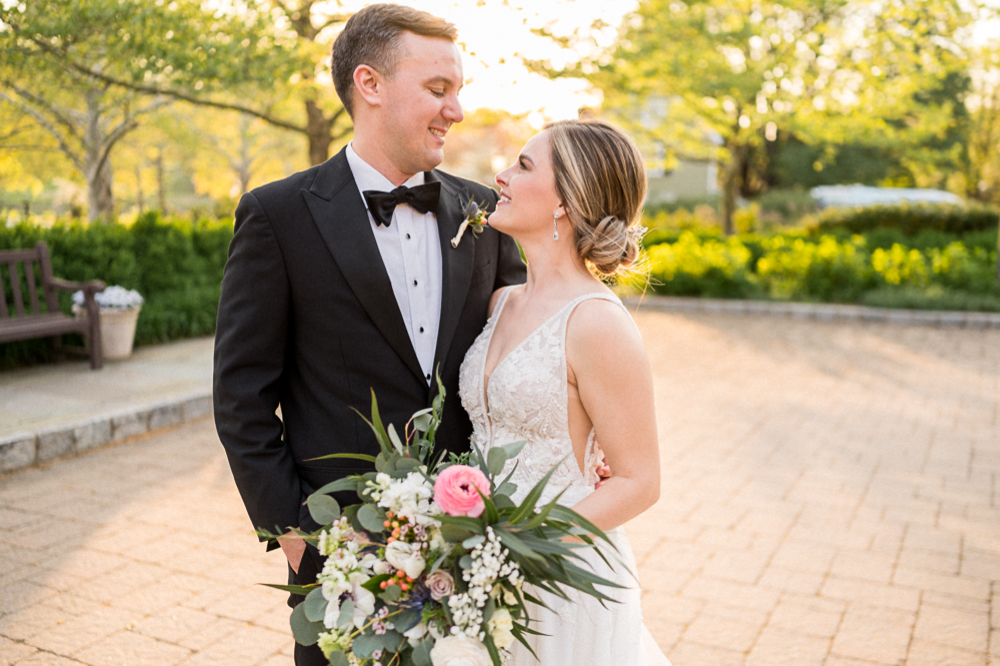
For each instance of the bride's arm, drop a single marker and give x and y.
(609, 367)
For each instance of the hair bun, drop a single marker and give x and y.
(610, 245)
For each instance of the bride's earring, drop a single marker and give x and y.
(555, 226)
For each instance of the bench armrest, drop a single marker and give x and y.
(87, 288)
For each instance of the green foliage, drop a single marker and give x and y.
(939, 270)
(911, 219)
(175, 264)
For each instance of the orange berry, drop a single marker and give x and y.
(384, 584)
(385, 524)
(404, 587)
(390, 539)
(409, 580)
(401, 573)
(391, 581)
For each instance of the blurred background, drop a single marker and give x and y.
(130, 128)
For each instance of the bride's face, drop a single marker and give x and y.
(528, 197)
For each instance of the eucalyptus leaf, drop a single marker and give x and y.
(423, 422)
(346, 616)
(323, 508)
(365, 644)
(473, 541)
(421, 654)
(391, 593)
(394, 438)
(315, 605)
(407, 464)
(506, 489)
(338, 658)
(495, 460)
(305, 632)
(370, 519)
(513, 448)
(465, 562)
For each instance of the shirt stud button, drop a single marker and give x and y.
(407, 236)
(421, 329)
(414, 283)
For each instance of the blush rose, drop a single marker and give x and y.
(455, 491)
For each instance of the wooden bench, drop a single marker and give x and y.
(20, 323)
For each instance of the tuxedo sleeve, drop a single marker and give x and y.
(250, 347)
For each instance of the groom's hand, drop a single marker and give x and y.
(293, 547)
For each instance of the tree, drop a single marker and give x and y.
(77, 69)
(275, 52)
(719, 79)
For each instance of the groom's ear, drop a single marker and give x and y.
(367, 84)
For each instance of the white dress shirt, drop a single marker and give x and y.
(411, 251)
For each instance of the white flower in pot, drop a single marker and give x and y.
(119, 312)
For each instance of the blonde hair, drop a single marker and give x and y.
(601, 180)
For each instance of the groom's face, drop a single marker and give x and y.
(420, 102)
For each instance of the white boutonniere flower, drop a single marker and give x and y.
(475, 217)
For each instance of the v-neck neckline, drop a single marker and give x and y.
(489, 340)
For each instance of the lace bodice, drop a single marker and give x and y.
(528, 400)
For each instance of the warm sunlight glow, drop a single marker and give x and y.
(495, 32)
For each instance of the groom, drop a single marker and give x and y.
(343, 278)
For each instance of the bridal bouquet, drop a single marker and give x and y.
(431, 567)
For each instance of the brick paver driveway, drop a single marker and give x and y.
(830, 496)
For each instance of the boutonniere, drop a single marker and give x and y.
(475, 217)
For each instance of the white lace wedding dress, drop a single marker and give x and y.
(527, 399)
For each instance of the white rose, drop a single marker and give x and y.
(415, 633)
(404, 556)
(460, 651)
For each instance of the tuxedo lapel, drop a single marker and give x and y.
(340, 214)
(456, 264)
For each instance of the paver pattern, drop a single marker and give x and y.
(830, 497)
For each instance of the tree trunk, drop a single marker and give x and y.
(101, 203)
(139, 198)
(161, 193)
(319, 130)
(100, 200)
(732, 179)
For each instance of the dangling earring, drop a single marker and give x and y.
(555, 227)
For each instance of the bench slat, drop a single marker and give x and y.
(3, 300)
(15, 287)
(16, 328)
(29, 271)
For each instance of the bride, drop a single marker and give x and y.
(561, 365)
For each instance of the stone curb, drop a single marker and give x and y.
(818, 311)
(26, 449)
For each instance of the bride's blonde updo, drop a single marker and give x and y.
(601, 180)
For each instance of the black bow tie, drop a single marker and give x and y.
(422, 198)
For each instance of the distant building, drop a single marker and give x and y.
(687, 178)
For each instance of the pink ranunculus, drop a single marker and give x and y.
(455, 490)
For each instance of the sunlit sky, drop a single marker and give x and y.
(493, 32)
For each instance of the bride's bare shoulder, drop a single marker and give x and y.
(596, 323)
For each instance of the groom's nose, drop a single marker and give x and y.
(452, 110)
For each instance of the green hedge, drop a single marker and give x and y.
(176, 265)
(827, 268)
(909, 218)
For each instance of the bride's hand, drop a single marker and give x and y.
(603, 472)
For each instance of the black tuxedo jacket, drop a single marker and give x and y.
(308, 322)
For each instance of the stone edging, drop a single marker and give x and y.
(818, 311)
(26, 449)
